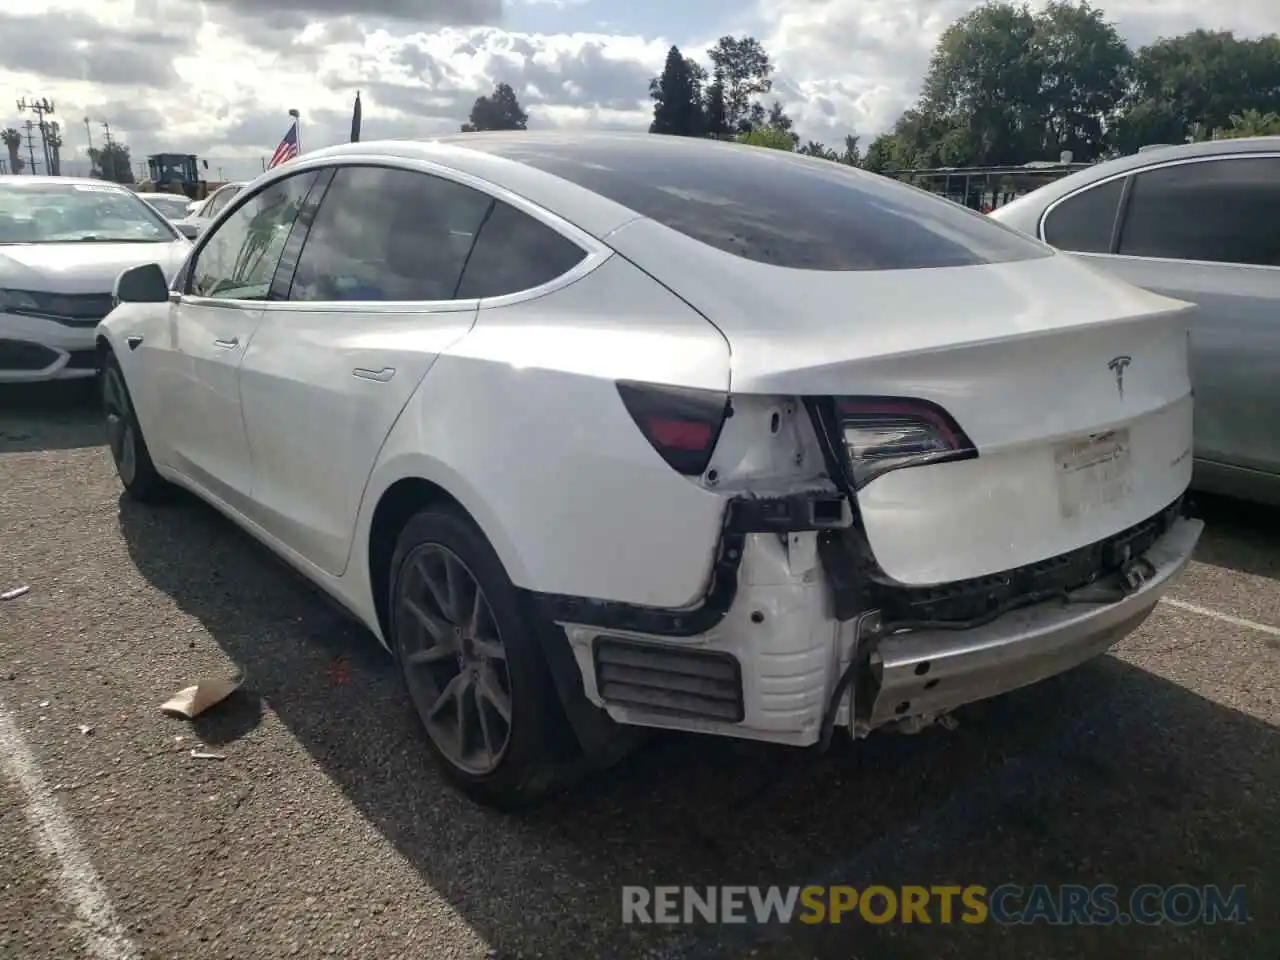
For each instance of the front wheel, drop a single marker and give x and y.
(471, 662)
(124, 436)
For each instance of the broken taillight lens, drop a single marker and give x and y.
(681, 424)
(888, 433)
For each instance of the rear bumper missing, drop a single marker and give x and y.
(930, 672)
(768, 668)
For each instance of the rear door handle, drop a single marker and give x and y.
(227, 344)
(382, 376)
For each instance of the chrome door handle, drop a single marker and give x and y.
(382, 376)
(227, 344)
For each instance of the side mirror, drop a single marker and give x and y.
(192, 207)
(188, 230)
(144, 284)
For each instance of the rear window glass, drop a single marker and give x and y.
(769, 206)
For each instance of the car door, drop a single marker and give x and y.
(371, 306)
(212, 320)
(1201, 230)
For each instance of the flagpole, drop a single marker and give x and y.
(297, 122)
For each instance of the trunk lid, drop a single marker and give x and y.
(1072, 386)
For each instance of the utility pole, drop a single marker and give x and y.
(31, 144)
(88, 132)
(42, 108)
(108, 151)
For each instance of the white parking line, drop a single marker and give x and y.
(1224, 617)
(77, 879)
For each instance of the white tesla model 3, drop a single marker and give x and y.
(601, 431)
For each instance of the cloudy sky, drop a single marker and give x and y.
(217, 77)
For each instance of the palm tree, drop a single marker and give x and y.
(13, 142)
(1251, 123)
(53, 140)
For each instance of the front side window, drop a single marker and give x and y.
(1223, 211)
(388, 234)
(1083, 223)
(77, 213)
(515, 252)
(240, 256)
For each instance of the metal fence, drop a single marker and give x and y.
(985, 188)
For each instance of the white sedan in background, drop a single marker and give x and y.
(175, 208)
(63, 243)
(600, 431)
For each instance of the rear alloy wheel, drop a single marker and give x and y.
(470, 658)
(124, 436)
(453, 659)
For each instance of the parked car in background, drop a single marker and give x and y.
(598, 431)
(1200, 222)
(173, 207)
(204, 212)
(63, 243)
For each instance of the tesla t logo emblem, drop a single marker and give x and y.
(1117, 366)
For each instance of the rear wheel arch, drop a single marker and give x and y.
(395, 507)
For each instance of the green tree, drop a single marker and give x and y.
(113, 160)
(1083, 67)
(716, 120)
(777, 120)
(744, 70)
(1006, 85)
(764, 136)
(1202, 77)
(815, 149)
(983, 76)
(677, 97)
(12, 140)
(920, 139)
(850, 156)
(498, 111)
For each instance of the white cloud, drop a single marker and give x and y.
(216, 78)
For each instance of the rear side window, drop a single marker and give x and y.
(1218, 210)
(1083, 223)
(388, 234)
(773, 207)
(515, 252)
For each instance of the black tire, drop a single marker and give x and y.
(128, 447)
(541, 754)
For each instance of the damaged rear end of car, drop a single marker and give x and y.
(941, 482)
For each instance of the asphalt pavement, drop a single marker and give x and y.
(325, 831)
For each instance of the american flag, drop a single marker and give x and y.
(288, 148)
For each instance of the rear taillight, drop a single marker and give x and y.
(681, 424)
(889, 433)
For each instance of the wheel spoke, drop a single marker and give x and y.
(489, 688)
(474, 622)
(453, 582)
(436, 628)
(435, 653)
(462, 699)
(449, 695)
(439, 597)
(485, 733)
